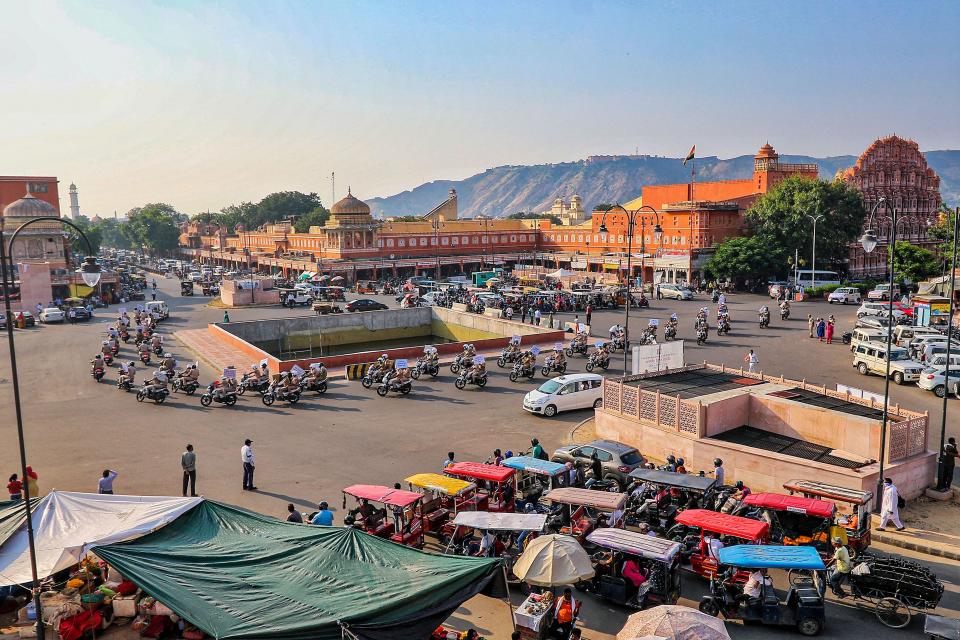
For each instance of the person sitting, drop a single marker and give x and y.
(190, 374)
(156, 383)
(476, 371)
(128, 374)
(224, 386)
(513, 347)
(528, 360)
(557, 359)
(317, 373)
(401, 376)
(144, 347)
(633, 574)
(753, 589)
(97, 362)
(579, 339)
(168, 363)
(156, 341)
(105, 348)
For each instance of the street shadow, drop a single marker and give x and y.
(302, 502)
(434, 398)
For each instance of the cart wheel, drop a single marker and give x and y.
(809, 626)
(893, 613)
(709, 607)
(799, 577)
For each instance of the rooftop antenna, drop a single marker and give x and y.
(333, 188)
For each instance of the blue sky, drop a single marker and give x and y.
(204, 104)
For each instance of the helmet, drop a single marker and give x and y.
(680, 461)
(104, 343)
(130, 364)
(168, 355)
(717, 462)
(508, 454)
(671, 459)
(739, 484)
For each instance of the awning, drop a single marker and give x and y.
(501, 521)
(66, 525)
(237, 574)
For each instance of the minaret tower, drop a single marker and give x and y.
(74, 202)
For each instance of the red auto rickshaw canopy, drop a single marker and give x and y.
(795, 504)
(480, 471)
(725, 524)
(385, 495)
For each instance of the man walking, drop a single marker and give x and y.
(523, 314)
(188, 461)
(752, 361)
(589, 312)
(105, 484)
(536, 317)
(890, 507)
(810, 324)
(246, 456)
(950, 456)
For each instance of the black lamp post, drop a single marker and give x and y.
(944, 483)
(657, 231)
(90, 272)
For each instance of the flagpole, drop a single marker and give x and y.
(693, 179)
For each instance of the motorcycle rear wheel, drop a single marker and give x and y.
(482, 382)
(513, 377)
(230, 401)
(242, 390)
(589, 366)
(405, 389)
(501, 362)
(415, 373)
(294, 399)
(322, 387)
(206, 399)
(454, 368)
(267, 399)
(382, 390)
(460, 383)
(366, 381)
(545, 371)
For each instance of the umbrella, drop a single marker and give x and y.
(673, 621)
(553, 560)
(336, 279)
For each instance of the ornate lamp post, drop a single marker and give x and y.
(658, 232)
(89, 271)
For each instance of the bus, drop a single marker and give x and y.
(818, 278)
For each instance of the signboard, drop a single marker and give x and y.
(578, 263)
(230, 373)
(296, 370)
(654, 322)
(479, 360)
(657, 357)
(535, 350)
(402, 363)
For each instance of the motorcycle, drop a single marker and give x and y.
(157, 395)
(158, 349)
(96, 372)
(374, 376)
(257, 385)
(312, 384)
(723, 327)
(108, 359)
(481, 380)
(210, 397)
(784, 313)
(392, 384)
(670, 332)
(764, 319)
(428, 366)
(114, 348)
(126, 385)
(550, 366)
(187, 385)
(577, 346)
(273, 394)
(595, 360)
(460, 362)
(520, 371)
(701, 335)
(508, 356)
(125, 336)
(617, 343)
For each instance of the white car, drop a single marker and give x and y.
(195, 276)
(52, 314)
(932, 379)
(877, 309)
(565, 393)
(676, 292)
(845, 295)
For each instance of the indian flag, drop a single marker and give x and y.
(690, 155)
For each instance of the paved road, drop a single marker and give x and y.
(306, 453)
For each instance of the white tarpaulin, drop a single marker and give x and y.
(67, 524)
(657, 357)
(561, 273)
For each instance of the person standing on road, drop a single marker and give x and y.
(752, 361)
(810, 324)
(718, 471)
(890, 507)
(536, 317)
(246, 456)
(105, 484)
(950, 455)
(589, 313)
(828, 332)
(226, 317)
(821, 329)
(15, 488)
(33, 483)
(188, 461)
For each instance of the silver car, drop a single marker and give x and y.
(675, 292)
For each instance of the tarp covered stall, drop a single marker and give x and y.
(237, 574)
(67, 524)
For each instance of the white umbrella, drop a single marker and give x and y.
(553, 560)
(673, 621)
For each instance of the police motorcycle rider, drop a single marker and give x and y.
(556, 361)
(106, 352)
(168, 364)
(314, 378)
(599, 358)
(464, 359)
(479, 368)
(511, 351)
(156, 384)
(128, 376)
(97, 363)
(156, 343)
(224, 386)
(764, 313)
(579, 343)
(188, 378)
(428, 363)
(784, 310)
(670, 331)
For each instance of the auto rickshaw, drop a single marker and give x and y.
(731, 530)
(795, 520)
(406, 527)
(496, 486)
(535, 477)
(803, 606)
(584, 510)
(515, 530)
(444, 497)
(852, 509)
(665, 494)
(186, 287)
(657, 559)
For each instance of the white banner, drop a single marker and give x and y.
(578, 263)
(296, 370)
(657, 357)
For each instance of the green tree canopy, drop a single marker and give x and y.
(316, 218)
(93, 232)
(914, 263)
(153, 226)
(744, 257)
(779, 218)
(523, 215)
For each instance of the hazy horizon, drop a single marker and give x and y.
(204, 105)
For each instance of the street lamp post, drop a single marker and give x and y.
(436, 224)
(657, 230)
(813, 258)
(90, 272)
(942, 482)
(869, 242)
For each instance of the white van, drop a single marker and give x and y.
(565, 393)
(159, 307)
(903, 334)
(872, 358)
(866, 334)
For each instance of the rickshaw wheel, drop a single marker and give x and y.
(809, 626)
(799, 577)
(893, 613)
(709, 607)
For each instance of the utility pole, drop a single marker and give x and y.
(333, 188)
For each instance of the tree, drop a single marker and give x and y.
(316, 218)
(153, 226)
(779, 219)
(93, 232)
(744, 258)
(111, 233)
(284, 205)
(914, 263)
(942, 232)
(522, 215)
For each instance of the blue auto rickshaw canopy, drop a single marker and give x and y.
(756, 556)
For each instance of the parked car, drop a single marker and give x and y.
(903, 334)
(872, 358)
(365, 304)
(618, 459)
(877, 309)
(938, 358)
(867, 334)
(565, 393)
(933, 379)
(78, 314)
(845, 295)
(52, 314)
(29, 319)
(882, 292)
(675, 292)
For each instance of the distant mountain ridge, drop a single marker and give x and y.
(501, 191)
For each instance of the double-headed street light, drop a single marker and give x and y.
(89, 271)
(657, 233)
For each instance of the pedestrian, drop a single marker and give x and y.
(509, 313)
(536, 317)
(451, 459)
(551, 321)
(589, 313)
(752, 361)
(659, 293)
(105, 484)
(293, 515)
(841, 567)
(188, 461)
(15, 488)
(718, 472)
(153, 295)
(821, 329)
(566, 611)
(33, 483)
(811, 325)
(39, 309)
(523, 314)
(226, 316)
(949, 457)
(323, 517)
(537, 450)
(828, 333)
(890, 507)
(246, 456)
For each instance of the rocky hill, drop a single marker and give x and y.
(505, 190)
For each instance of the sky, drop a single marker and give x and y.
(207, 104)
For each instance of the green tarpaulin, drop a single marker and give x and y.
(13, 516)
(237, 574)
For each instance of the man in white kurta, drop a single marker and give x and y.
(890, 508)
